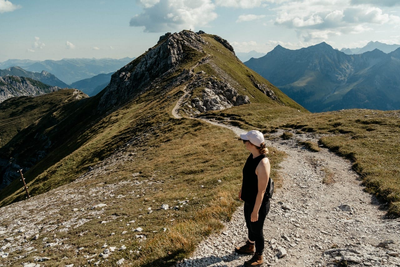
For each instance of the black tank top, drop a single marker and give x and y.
(250, 180)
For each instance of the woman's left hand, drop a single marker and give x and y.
(254, 216)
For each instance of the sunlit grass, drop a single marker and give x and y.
(369, 138)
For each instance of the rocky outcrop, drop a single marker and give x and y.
(216, 95)
(157, 62)
(224, 43)
(12, 86)
(161, 61)
(264, 88)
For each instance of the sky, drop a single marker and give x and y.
(49, 29)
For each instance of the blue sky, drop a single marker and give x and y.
(49, 29)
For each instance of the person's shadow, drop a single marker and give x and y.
(171, 261)
(211, 260)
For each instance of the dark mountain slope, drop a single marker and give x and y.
(321, 78)
(94, 85)
(29, 128)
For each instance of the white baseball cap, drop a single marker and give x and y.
(255, 137)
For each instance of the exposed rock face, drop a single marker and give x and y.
(264, 88)
(160, 60)
(11, 86)
(164, 59)
(216, 95)
(224, 42)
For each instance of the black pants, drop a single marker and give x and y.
(256, 228)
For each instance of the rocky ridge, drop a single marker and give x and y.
(163, 60)
(157, 62)
(12, 86)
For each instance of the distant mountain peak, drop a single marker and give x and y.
(322, 45)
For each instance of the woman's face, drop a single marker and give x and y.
(247, 144)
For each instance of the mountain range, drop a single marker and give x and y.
(321, 78)
(14, 86)
(70, 70)
(43, 76)
(385, 48)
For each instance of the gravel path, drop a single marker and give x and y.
(312, 223)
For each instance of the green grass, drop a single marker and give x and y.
(176, 161)
(20, 112)
(368, 138)
(310, 146)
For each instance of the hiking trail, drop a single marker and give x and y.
(310, 223)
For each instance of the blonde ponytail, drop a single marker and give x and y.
(263, 149)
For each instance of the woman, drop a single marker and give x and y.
(256, 204)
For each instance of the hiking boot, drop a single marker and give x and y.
(256, 260)
(246, 249)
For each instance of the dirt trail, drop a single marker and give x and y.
(311, 223)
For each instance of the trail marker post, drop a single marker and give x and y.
(23, 180)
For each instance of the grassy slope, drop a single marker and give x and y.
(182, 160)
(20, 112)
(178, 154)
(369, 138)
(232, 66)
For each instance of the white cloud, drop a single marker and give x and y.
(320, 19)
(368, 15)
(162, 16)
(96, 48)
(388, 3)
(70, 45)
(37, 44)
(240, 3)
(148, 3)
(7, 6)
(249, 17)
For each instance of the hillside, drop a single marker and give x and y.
(129, 125)
(44, 76)
(323, 79)
(12, 86)
(25, 124)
